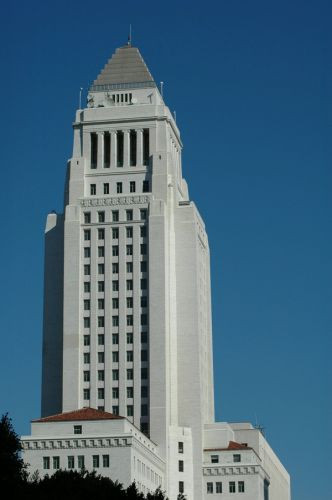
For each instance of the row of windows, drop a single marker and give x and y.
(119, 188)
(115, 286)
(215, 458)
(115, 217)
(115, 392)
(115, 304)
(115, 373)
(115, 230)
(115, 270)
(115, 359)
(78, 462)
(231, 487)
(130, 322)
(115, 249)
(130, 338)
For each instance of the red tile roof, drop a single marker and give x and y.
(82, 414)
(232, 445)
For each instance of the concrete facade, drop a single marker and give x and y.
(127, 314)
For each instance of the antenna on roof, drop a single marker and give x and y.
(129, 36)
(162, 88)
(80, 100)
(174, 113)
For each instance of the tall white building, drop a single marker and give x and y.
(127, 310)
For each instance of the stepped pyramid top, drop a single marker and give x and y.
(126, 69)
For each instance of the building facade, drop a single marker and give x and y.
(127, 308)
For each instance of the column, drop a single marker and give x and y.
(100, 157)
(126, 145)
(113, 149)
(139, 159)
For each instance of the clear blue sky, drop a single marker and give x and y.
(251, 85)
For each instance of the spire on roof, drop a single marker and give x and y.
(126, 69)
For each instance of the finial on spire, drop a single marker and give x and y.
(129, 36)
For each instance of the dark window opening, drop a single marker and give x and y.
(133, 148)
(107, 149)
(119, 139)
(146, 146)
(94, 150)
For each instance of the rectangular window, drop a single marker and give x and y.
(115, 233)
(86, 305)
(86, 252)
(115, 356)
(56, 462)
(130, 338)
(115, 251)
(143, 249)
(130, 411)
(146, 146)
(106, 460)
(130, 392)
(237, 458)
(130, 320)
(129, 302)
(93, 189)
(101, 321)
(101, 286)
(144, 373)
(86, 340)
(115, 374)
(130, 356)
(115, 303)
(143, 213)
(46, 462)
(87, 234)
(130, 374)
(107, 149)
(101, 216)
(144, 410)
(119, 148)
(101, 269)
(180, 447)
(209, 487)
(129, 267)
(144, 337)
(115, 320)
(119, 187)
(129, 232)
(115, 410)
(143, 266)
(133, 146)
(129, 285)
(144, 301)
(145, 186)
(86, 394)
(129, 249)
(132, 186)
(86, 376)
(115, 286)
(101, 394)
(101, 234)
(232, 486)
(86, 269)
(144, 391)
(80, 461)
(101, 251)
(101, 357)
(240, 486)
(143, 231)
(86, 358)
(115, 215)
(115, 338)
(144, 355)
(101, 375)
(86, 287)
(86, 322)
(71, 462)
(181, 487)
(144, 319)
(181, 467)
(115, 268)
(95, 461)
(77, 429)
(218, 487)
(214, 459)
(106, 188)
(87, 217)
(100, 303)
(129, 215)
(115, 393)
(101, 339)
(94, 149)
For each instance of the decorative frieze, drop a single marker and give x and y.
(114, 201)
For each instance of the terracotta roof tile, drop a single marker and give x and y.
(81, 414)
(232, 445)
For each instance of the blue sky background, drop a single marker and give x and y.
(251, 85)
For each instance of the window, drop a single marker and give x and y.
(86, 394)
(115, 303)
(101, 286)
(129, 232)
(115, 374)
(218, 487)
(130, 320)
(86, 322)
(143, 266)
(144, 337)
(86, 252)
(115, 286)
(237, 458)
(86, 358)
(145, 186)
(115, 393)
(146, 146)
(95, 461)
(232, 486)
(115, 356)
(86, 376)
(93, 189)
(143, 231)
(94, 149)
(129, 249)
(115, 320)
(180, 447)
(101, 357)
(115, 268)
(119, 148)
(133, 145)
(130, 338)
(71, 462)
(101, 216)
(115, 215)
(46, 462)
(130, 356)
(143, 249)
(86, 287)
(87, 217)
(144, 355)
(181, 468)
(115, 233)
(86, 340)
(100, 303)
(87, 234)
(101, 251)
(107, 149)
(132, 187)
(129, 302)
(86, 305)
(130, 374)
(101, 375)
(240, 486)
(214, 459)
(144, 410)
(80, 461)
(115, 410)
(209, 487)
(129, 214)
(106, 188)
(101, 339)
(144, 319)
(101, 234)
(130, 392)
(101, 321)
(144, 391)
(115, 251)
(144, 301)
(115, 338)
(101, 393)
(144, 373)
(129, 266)
(119, 187)
(56, 462)
(143, 213)
(101, 269)
(129, 284)
(266, 489)
(106, 460)
(181, 487)
(130, 411)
